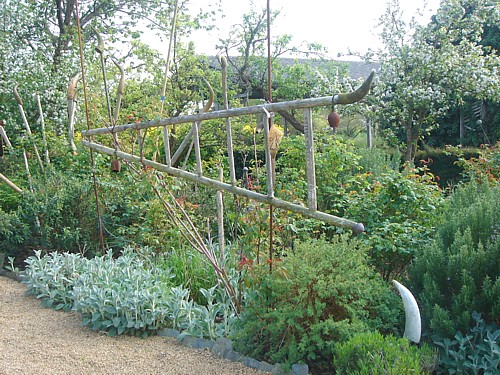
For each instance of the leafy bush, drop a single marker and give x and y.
(371, 353)
(398, 210)
(336, 162)
(59, 215)
(13, 233)
(378, 161)
(477, 353)
(125, 295)
(444, 163)
(318, 296)
(485, 167)
(460, 272)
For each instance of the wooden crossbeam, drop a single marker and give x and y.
(263, 109)
(218, 185)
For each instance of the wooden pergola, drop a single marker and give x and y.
(309, 210)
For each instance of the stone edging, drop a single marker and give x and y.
(223, 348)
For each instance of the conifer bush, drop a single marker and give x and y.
(460, 272)
(320, 295)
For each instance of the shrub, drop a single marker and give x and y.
(378, 161)
(398, 210)
(59, 215)
(460, 272)
(13, 233)
(336, 162)
(476, 353)
(371, 353)
(320, 295)
(485, 167)
(445, 163)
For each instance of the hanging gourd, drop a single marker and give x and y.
(115, 165)
(334, 120)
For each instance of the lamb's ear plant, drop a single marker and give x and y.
(125, 295)
(478, 352)
(11, 267)
(52, 277)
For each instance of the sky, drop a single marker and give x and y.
(338, 25)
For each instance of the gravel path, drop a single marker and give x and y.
(36, 340)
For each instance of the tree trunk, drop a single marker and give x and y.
(292, 120)
(462, 126)
(410, 137)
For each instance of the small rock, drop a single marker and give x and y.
(234, 356)
(222, 346)
(266, 367)
(252, 363)
(201, 343)
(278, 370)
(300, 369)
(168, 332)
(197, 342)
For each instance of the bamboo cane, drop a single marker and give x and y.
(229, 133)
(42, 125)
(3, 134)
(10, 183)
(27, 125)
(220, 218)
(166, 132)
(71, 96)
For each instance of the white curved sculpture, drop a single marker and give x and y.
(412, 313)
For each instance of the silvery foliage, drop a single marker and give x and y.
(127, 294)
(52, 277)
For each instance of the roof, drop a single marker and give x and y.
(357, 69)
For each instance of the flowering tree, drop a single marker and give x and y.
(427, 70)
(39, 47)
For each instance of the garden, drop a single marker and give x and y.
(143, 215)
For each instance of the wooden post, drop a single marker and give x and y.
(229, 133)
(3, 134)
(120, 90)
(27, 167)
(27, 126)
(10, 183)
(71, 96)
(369, 134)
(462, 127)
(220, 219)
(269, 162)
(325, 101)
(217, 185)
(310, 165)
(42, 125)
(196, 140)
(166, 143)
